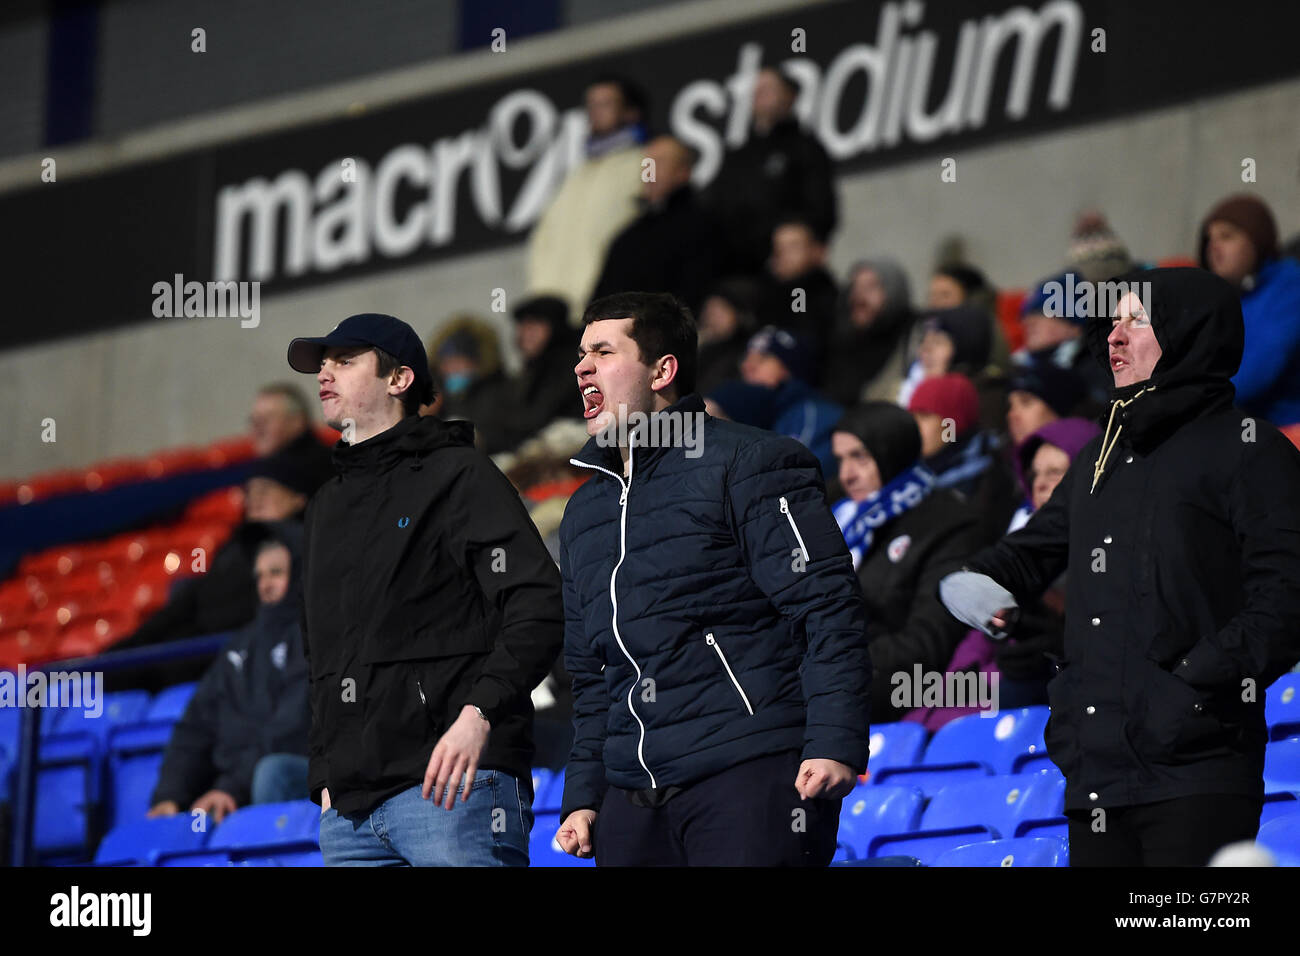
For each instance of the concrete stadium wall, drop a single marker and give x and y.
(169, 382)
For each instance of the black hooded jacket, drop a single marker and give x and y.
(1180, 526)
(426, 589)
(251, 702)
(906, 622)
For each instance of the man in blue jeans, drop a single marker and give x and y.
(431, 609)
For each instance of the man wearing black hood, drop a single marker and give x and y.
(904, 535)
(249, 717)
(1182, 543)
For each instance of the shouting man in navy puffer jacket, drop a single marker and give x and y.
(714, 626)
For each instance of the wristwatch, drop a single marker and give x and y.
(479, 710)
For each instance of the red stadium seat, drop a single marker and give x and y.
(225, 506)
(26, 645)
(1008, 309)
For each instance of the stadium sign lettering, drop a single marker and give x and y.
(296, 223)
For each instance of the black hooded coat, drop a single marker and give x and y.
(1180, 526)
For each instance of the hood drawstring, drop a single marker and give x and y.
(1107, 442)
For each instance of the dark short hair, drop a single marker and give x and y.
(385, 365)
(292, 395)
(661, 325)
(634, 97)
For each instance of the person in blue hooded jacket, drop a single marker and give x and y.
(1238, 243)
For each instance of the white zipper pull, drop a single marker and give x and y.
(421, 690)
(622, 498)
(785, 510)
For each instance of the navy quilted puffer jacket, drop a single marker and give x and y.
(711, 613)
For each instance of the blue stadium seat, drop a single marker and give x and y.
(997, 804)
(63, 799)
(929, 780)
(1278, 804)
(927, 846)
(881, 861)
(543, 781)
(1027, 851)
(895, 745)
(1282, 836)
(873, 809)
(143, 842)
(269, 825)
(1002, 743)
(132, 777)
(1059, 829)
(120, 708)
(171, 702)
(9, 732)
(215, 858)
(1282, 707)
(549, 800)
(542, 848)
(1282, 766)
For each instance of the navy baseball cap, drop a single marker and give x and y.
(368, 329)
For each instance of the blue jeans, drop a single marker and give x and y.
(490, 829)
(280, 777)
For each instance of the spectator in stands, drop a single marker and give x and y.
(1023, 663)
(674, 244)
(800, 293)
(744, 615)
(781, 170)
(430, 612)
(952, 340)
(1058, 337)
(904, 535)
(782, 362)
(961, 455)
(223, 597)
(727, 321)
(1238, 243)
(1039, 393)
(1198, 526)
(957, 284)
(874, 336)
(243, 738)
(542, 391)
(598, 198)
(281, 419)
(466, 356)
(1096, 253)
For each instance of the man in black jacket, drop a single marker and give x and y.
(1180, 527)
(245, 729)
(431, 609)
(781, 170)
(672, 246)
(713, 623)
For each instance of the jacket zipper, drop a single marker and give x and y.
(735, 683)
(613, 599)
(785, 510)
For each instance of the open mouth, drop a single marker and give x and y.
(1117, 363)
(593, 401)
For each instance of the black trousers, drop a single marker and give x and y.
(1186, 831)
(748, 815)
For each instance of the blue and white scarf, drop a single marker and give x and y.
(858, 520)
